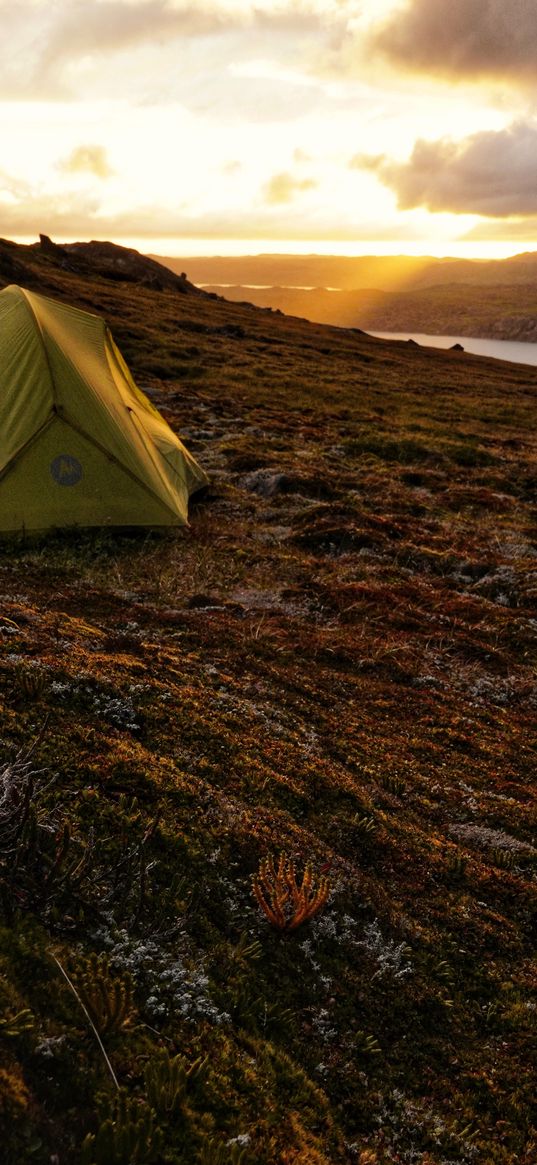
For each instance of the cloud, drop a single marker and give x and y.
(85, 27)
(30, 213)
(93, 31)
(87, 159)
(490, 173)
(236, 99)
(283, 187)
(463, 38)
(25, 212)
(106, 26)
(301, 156)
(514, 230)
(41, 56)
(59, 51)
(232, 167)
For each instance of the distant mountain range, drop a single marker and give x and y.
(494, 298)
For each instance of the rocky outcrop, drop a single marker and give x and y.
(122, 264)
(512, 328)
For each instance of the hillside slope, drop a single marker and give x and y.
(498, 312)
(337, 661)
(495, 299)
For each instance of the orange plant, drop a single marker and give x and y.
(285, 903)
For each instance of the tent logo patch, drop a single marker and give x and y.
(66, 470)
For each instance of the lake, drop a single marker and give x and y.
(512, 350)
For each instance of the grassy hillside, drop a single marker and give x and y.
(335, 663)
(499, 312)
(495, 299)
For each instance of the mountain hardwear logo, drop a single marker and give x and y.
(66, 470)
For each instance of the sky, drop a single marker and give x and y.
(241, 126)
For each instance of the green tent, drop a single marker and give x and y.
(80, 445)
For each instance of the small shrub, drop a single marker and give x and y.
(12, 1026)
(364, 825)
(366, 1045)
(106, 997)
(168, 1078)
(456, 864)
(394, 785)
(219, 1153)
(127, 1136)
(286, 904)
(30, 683)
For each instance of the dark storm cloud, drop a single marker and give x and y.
(463, 38)
(490, 173)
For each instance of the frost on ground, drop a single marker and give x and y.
(497, 838)
(174, 984)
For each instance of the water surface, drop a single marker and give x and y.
(515, 351)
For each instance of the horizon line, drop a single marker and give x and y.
(197, 247)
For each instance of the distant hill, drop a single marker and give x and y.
(503, 312)
(383, 272)
(495, 299)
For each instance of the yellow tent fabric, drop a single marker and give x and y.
(80, 444)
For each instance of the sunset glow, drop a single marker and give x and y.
(228, 126)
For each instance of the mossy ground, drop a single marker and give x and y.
(336, 660)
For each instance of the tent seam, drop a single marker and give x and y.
(20, 452)
(132, 410)
(25, 294)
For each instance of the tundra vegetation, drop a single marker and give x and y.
(324, 688)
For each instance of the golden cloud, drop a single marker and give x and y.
(88, 159)
(283, 187)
